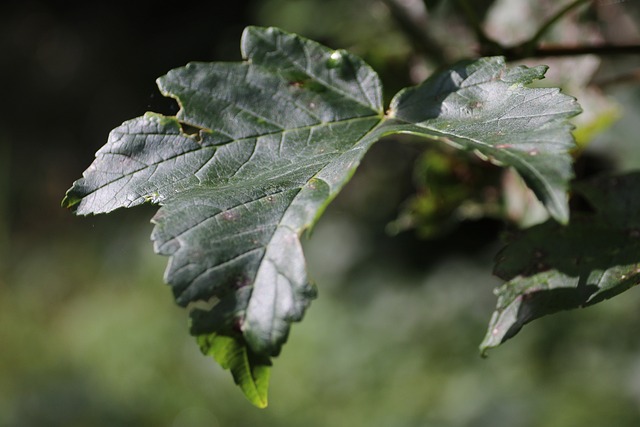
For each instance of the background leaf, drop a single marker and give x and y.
(550, 267)
(483, 106)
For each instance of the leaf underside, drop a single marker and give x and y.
(260, 147)
(551, 267)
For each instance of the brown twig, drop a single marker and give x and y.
(520, 52)
(630, 77)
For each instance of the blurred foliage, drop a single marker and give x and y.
(90, 336)
(450, 187)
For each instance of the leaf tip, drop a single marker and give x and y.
(250, 371)
(559, 211)
(484, 351)
(488, 343)
(71, 199)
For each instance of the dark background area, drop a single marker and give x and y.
(89, 335)
(75, 70)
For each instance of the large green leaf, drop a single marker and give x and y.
(258, 150)
(275, 138)
(551, 267)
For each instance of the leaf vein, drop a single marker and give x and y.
(322, 80)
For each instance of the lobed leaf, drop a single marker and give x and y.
(550, 267)
(276, 137)
(258, 150)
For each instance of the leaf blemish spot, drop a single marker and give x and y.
(242, 281)
(229, 215)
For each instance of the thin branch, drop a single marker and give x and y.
(430, 47)
(555, 18)
(631, 77)
(529, 48)
(520, 52)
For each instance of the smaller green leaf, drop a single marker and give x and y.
(551, 267)
(250, 371)
(485, 107)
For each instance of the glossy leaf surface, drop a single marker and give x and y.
(260, 147)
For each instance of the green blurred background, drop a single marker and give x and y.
(90, 336)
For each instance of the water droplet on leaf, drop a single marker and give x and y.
(335, 60)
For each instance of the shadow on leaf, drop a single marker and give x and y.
(550, 267)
